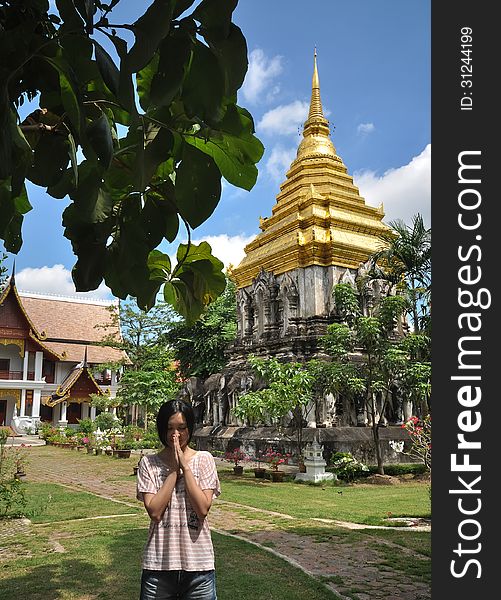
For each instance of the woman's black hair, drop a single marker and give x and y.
(171, 408)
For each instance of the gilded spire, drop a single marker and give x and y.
(316, 132)
(319, 217)
(315, 103)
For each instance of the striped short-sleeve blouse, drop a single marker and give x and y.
(181, 541)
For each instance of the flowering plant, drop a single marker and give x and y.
(346, 466)
(88, 441)
(275, 458)
(420, 433)
(235, 456)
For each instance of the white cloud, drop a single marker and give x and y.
(229, 249)
(55, 280)
(279, 162)
(284, 119)
(365, 128)
(262, 70)
(404, 191)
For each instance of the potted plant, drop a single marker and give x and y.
(236, 456)
(121, 447)
(259, 471)
(275, 459)
(21, 461)
(98, 446)
(88, 441)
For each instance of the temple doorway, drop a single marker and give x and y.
(74, 413)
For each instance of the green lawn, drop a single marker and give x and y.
(99, 559)
(48, 503)
(64, 558)
(359, 503)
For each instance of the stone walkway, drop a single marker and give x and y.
(351, 568)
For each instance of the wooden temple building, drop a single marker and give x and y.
(50, 357)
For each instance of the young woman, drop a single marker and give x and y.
(177, 486)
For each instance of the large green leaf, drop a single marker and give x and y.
(149, 30)
(68, 91)
(77, 55)
(99, 136)
(159, 265)
(158, 143)
(22, 154)
(92, 202)
(216, 15)
(235, 155)
(159, 219)
(231, 53)
(198, 186)
(88, 271)
(181, 6)
(50, 160)
(196, 281)
(109, 71)
(143, 82)
(86, 8)
(12, 209)
(205, 101)
(126, 94)
(69, 15)
(6, 137)
(174, 54)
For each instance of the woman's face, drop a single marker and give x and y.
(177, 426)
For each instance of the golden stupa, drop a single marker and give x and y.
(319, 217)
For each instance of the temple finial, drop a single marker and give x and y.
(316, 110)
(316, 132)
(85, 364)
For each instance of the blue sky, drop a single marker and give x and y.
(374, 67)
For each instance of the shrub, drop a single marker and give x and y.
(347, 467)
(47, 432)
(69, 432)
(106, 421)
(86, 426)
(235, 456)
(400, 469)
(12, 498)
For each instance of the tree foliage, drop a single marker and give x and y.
(136, 123)
(288, 393)
(201, 347)
(385, 362)
(406, 262)
(151, 378)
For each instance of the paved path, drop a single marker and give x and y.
(353, 565)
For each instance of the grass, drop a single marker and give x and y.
(59, 558)
(48, 502)
(360, 503)
(99, 559)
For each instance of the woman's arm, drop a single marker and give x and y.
(201, 500)
(156, 504)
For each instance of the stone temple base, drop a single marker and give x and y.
(316, 477)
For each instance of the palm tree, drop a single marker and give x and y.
(405, 261)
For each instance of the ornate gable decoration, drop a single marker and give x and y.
(78, 385)
(15, 323)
